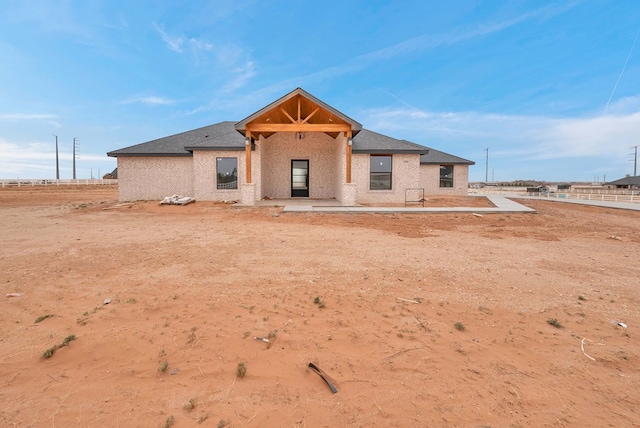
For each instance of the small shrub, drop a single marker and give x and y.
(582, 298)
(316, 300)
(241, 370)
(42, 318)
(554, 322)
(49, 352)
(163, 367)
(68, 339)
(169, 422)
(191, 404)
(192, 336)
(223, 423)
(459, 326)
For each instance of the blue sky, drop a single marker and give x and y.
(552, 89)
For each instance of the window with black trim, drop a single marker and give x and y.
(446, 175)
(380, 172)
(227, 173)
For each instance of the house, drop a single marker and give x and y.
(296, 147)
(113, 175)
(628, 182)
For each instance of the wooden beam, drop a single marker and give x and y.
(311, 115)
(299, 97)
(287, 114)
(349, 137)
(247, 156)
(297, 127)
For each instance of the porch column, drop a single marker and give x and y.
(247, 151)
(349, 142)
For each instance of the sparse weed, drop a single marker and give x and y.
(42, 318)
(554, 322)
(582, 298)
(163, 367)
(241, 370)
(223, 423)
(192, 336)
(191, 404)
(459, 326)
(49, 352)
(169, 422)
(318, 301)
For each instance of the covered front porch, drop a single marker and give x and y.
(298, 147)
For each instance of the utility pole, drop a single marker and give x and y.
(635, 159)
(74, 158)
(486, 173)
(57, 162)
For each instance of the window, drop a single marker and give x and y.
(227, 173)
(446, 175)
(380, 172)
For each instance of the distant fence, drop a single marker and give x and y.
(33, 183)
(598, 195)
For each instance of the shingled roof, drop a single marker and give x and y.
(221, 136)
(224, 136)
(372, 142)
(436, 157)
(626, 181)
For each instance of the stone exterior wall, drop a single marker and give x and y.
(154, 177)
(430, 180)
(405, 173)
(277, 153)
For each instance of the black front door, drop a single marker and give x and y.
(300, 178)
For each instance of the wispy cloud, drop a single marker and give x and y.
(26, 116)
(240, 76)
(37, 160)
(518, 141)
(173, 42)
(151, 100)
(19, 117)
(232, 62)
(414, 45)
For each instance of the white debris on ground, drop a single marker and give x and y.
(177, 200)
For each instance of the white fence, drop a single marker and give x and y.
(601, 195)
(32, 183)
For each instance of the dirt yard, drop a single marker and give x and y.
(439, 320)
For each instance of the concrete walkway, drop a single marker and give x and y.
(502, 205)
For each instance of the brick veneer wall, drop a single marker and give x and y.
(277, 153)
(148, 178)
(430, 180)
(405, 170)
(204, 175)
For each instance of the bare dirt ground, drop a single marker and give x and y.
(191, 286)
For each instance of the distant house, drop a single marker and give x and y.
(296, 147)
(113, 175)
(629, 182)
